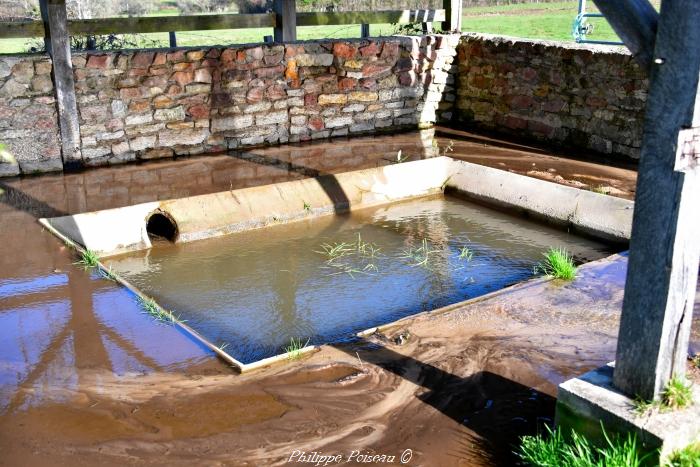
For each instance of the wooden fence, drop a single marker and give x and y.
(284, 20)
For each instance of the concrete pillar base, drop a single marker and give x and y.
(584, 403)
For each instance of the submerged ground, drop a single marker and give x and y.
(87, 379)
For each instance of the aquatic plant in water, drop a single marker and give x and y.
(293, 350)
(420, 256)
(465, 253)
(351, 258)
(558, 263)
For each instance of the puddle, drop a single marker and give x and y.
(325, 279)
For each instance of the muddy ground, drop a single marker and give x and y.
(87, 379)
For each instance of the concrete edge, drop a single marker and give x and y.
(593, 214)
(590, 404)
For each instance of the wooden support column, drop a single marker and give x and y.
(453, 15)
(664, 248)
(364, 30)
(53, 13)
(286, 28)
(635, 21)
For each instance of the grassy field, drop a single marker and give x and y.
(540, 21)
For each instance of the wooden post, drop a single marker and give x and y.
(635, 21)
(286, 28)
(364, 30)
(173, 39)
(453, 15)
(664, 248)
(54, 15)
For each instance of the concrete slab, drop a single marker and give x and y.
(584, 403)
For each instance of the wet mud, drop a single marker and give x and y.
(87, 379)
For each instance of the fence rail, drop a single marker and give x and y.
(150, 24)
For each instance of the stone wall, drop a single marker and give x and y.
(150, 104)
(155, 104)
(28, 127)
(583, 96)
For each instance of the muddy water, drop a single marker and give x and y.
(253, 292)
(87, 379)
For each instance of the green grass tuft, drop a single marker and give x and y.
(150, 307)
(553, 450)
(465, 253)
(558, 263)
(686, 457)
(678, 394)
(88, 259)
(421, 256)
(293, 350)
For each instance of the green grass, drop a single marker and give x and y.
(351, 258)
(88, 259)
(554, 450)
(557, 263)
(293, 350)
(678, 394)
(151, 308)
(538, 21)
(421, 256)
(465, 253)
(687, 457)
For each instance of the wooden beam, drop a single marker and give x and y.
(146, 24)
(286, 20)
(370, 17)
(635, 21)
(150, 24)
(664, 248)
(453, 15)
(17, 29)
(54, 14)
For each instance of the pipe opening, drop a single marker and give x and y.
(161, 226)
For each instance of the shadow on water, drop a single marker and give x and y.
(497, 409)
(328, 182)
(21, 201)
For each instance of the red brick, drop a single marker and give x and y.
(372, 70)
(346, 84)
(390, 51)
(198, 111)
(369, 50)
(142, 59)
(310, 100)
(182, 77)
(275, 92)
(176, 56)
(316, 123)
(270, 72)
(99, 61)
(343, 50)
(254, 95)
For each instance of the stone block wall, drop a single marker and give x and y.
(29, 130)
(150, 104)
(155, 104)
(583, 96)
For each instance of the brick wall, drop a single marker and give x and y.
(583, 96)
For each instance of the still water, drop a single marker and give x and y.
(324, 279)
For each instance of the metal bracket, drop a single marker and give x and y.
(688, 150)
